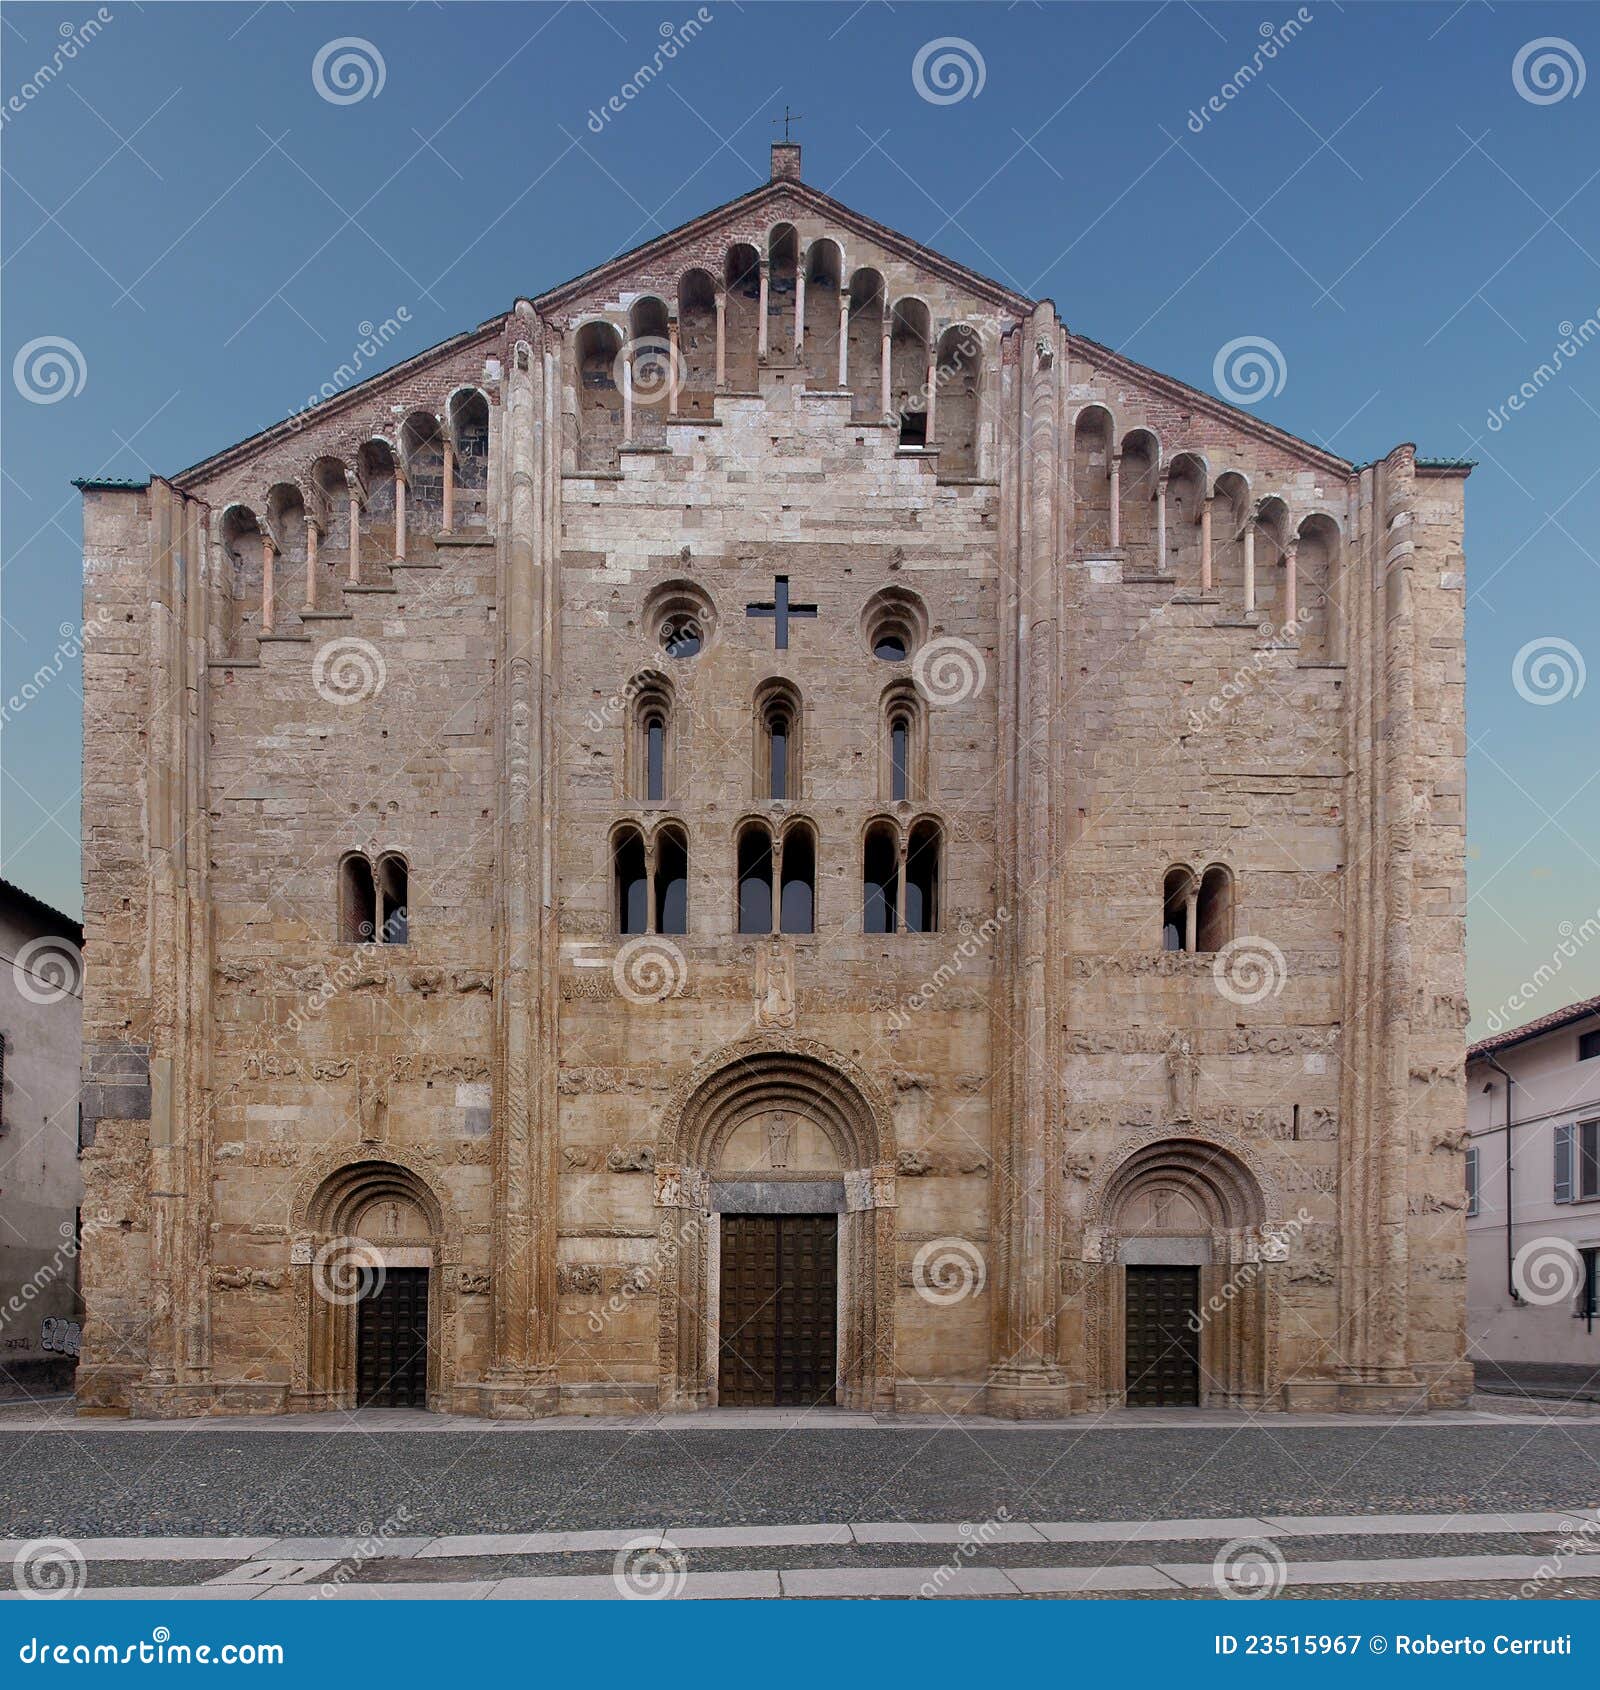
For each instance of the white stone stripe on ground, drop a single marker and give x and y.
(814, 1582)
(864, 1533)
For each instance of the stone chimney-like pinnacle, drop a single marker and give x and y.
(785, 161)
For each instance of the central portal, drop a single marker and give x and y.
(778, 1338)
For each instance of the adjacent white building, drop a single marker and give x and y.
(41, 1035)
(1533, 1193)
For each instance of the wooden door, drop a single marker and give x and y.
(778, 1312)
(1163, 1345)
(392, 1342)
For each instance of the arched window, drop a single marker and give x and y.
(1186, 497)
(598, 349)
(242, 546)
(864, 358)
(777, 762)
(797, 896)
(783, 264)
(632, 901)
(697, 342)
(958, 391)
(1214, 909)
(903, 776)
(742, 302)
(1141, 469)
(1316, 609)
(422, 446)
(375, 468)
(1177, 910)
(909, 370)
(469, 437)
(1091, 477)
(651, 376)
(358, 902)
(755, 880)
(671, 881)
(880, 879)
(823, 266)
(922, 878)
(650, 753)
(394, 920)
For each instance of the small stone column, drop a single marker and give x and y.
(627, 395)
(355, 541)
(1114, 473)
(399, 515)
(672, 368)
(885, 368)
(1291, 590)
(1205, 546)
(269, 607)
(449, 518)
(1161, 524)
(312, 532)
(844, 339)
(761, 315)
(1250, 568)
(722, 340)
(799, 308)
(1191, 918)
(933, 396)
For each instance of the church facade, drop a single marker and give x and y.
(774, 825)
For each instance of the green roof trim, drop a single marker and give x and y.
(1447, 463)
(111, 483)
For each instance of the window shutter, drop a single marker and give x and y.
(1564, 1163)
(1472, 1182)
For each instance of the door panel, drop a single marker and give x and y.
(778, 1309)
(392, 1342)
(1163, 1348)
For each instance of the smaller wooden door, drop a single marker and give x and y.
(778, 1310)
(392, 1342)
(1163, 1345)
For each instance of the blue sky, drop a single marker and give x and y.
(1384, 203)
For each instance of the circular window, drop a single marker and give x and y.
(680, 619)
(895, 623)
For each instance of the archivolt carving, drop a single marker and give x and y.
(1184, 1140)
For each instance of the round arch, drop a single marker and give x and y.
(384, 1208)
(705, 1168)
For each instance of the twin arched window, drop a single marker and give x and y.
(1196, 909)
(777, 876)
(650, 878)
(373, 903)
(900, 877)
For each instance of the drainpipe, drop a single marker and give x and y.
(1511, 1280)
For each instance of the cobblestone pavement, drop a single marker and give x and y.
(1464, 1504)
